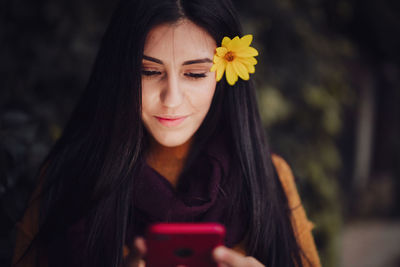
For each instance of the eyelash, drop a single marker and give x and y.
(195, 75)
(150, 72)
(189, 74)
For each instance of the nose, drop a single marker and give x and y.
(172, 95)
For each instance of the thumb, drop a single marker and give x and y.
(227, 257)
(134, 257)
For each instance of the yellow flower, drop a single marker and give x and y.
(236, 57)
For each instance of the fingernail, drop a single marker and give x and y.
(140, 244)
(219, 252)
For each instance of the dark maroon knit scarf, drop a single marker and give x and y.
(199, 197)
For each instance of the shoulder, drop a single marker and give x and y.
(287, 180)
(298, 214)
(301, 225)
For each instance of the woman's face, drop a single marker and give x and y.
(177, 85)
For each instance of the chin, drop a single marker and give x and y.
(172, 140)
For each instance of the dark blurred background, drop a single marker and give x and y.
(329, 94)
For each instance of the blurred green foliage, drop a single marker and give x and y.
(305, 92)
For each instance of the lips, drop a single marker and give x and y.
(171, 121)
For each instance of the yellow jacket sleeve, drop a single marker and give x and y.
(301, 225)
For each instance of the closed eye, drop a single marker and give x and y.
(195, 75)
(150, 72)
(191, 75)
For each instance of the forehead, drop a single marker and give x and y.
(183, 40)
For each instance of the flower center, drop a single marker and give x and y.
(230, 56)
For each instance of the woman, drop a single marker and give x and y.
(156, 137)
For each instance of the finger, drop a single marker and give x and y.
(136, 253)
(140, 245)
(142, 263)
(135, 263)
(223, 255)
(141, 248)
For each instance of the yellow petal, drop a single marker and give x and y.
(240, 69)
(225, 41)
(247, 60)
(220, 70)
(246, 40)
(217, 59)
(234, 44)
(231, 76)
(250, 60)
(249, 66)
(246, 52)
(221, 51)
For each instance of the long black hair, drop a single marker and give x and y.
(90, 171)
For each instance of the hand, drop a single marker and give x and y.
(226, 257)
(134, 257)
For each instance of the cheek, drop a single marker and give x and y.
(147, 97)
(202, 98)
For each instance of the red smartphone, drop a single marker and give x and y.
(183, 244)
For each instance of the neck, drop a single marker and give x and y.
(168, 161)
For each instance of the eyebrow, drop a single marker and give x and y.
(188, 62)
(153, 59)
(197, 61)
